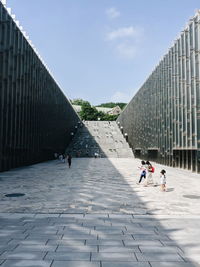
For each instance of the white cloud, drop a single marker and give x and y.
(126, 41)
(112, 13)
(121, 97)
(126, 32)
(126, 50)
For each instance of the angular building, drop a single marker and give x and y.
(36, 119)
(163, 118)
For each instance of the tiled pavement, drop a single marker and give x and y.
(95, 215)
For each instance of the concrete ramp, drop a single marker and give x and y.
(101, 137)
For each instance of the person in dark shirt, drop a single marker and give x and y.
(69, 160)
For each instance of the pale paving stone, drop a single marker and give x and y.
(118, 249)
(22, 255)
(67, 242)
(39, 242)
(104, 242)
(112, 256)
(75, 264)
(76, 248)
(158, 257)
(125, 264)
(36, 247)
(156, 249)
(173, 264)
(26, 263)
(68, 256)
(143, 242)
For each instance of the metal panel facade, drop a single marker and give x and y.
(163, 118)
(36, 119)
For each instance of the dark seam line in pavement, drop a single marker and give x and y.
(97, 248)
(51, 263)
(163, 244)
(149, 263)
(45, 255)
(26, 236)
(2, 262)
(15, 247)
(135, 256)
(90, 256)
(123, 243)
(56, 248)
(85, 242)
(47, 241)
(182, 257)
(139, 248)
(132, 236)
(100, 264)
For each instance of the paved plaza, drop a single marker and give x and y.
(95, 214)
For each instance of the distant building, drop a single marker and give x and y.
(115, 111)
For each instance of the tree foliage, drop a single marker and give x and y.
(90, 113)
(79, 102)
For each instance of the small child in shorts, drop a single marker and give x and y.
(163, 181)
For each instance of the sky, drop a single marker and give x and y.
(102, 50)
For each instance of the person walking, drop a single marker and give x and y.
(163, 181)
(150, 171)
(69, 160)
(143, 171)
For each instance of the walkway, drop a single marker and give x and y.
(95, 214)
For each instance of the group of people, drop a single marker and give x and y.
(146, 173)
(63, 157)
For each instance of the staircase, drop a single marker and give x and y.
(102, 137)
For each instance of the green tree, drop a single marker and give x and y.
(79, 102)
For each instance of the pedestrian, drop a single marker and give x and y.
(69, 160)
(61, 157)
(163, 181)
(150, 171)
(96, 155)
(55, 155)
(143, 171)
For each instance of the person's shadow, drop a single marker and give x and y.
(170, 189)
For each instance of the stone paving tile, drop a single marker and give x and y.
(42, 236)
(158, 257)
(104, 242)
(77, 236)
(36, 247)
(142, 242)
(125, 264)
(118, 249)
(67, 242)
(113, 256)
(39, 242)
(115, 237)
(76, 248)
(26, 263)
(173, 264)
(68, 256)
(156, 249)
(22, 255)
(75, 264)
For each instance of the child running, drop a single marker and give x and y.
(143, 171)
(163, 181)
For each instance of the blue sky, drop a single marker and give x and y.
(102, 50)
